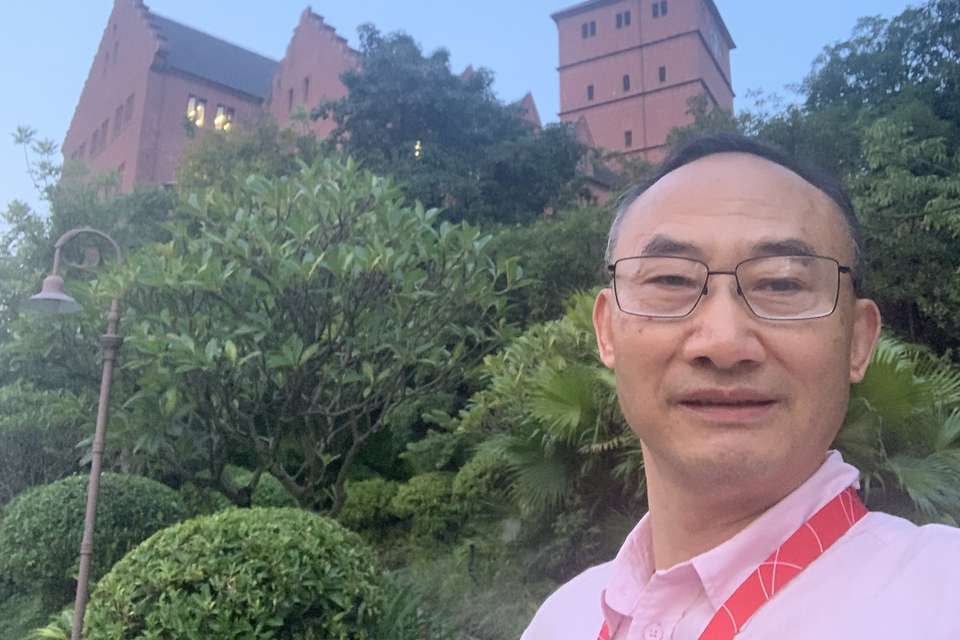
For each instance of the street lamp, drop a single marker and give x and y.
(51, 300)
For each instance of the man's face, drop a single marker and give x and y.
(722, 398)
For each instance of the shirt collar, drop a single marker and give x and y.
(722, 569)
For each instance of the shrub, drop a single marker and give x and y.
(202, 501)
(368, 504)
(242, 573)
(269, 491)
(482, 483)
(41, 529)
(426, 500)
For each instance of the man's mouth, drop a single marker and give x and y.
(729, 406)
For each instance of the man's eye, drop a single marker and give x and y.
(672, 281)
(779, 285)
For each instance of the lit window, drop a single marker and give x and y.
(589, 92)
(417, 150)
(626, 82)
(628, 139)
(662, 72)
(128, 110)
(224, 118)
(196, 110)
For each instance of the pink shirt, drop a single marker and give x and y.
(886, 578)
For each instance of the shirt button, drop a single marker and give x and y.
(653, 632)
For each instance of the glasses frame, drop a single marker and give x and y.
(612, 270)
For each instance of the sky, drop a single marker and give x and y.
(47, 47)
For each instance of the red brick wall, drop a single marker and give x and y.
(688, 42)
(316, 53)
(119, 69)
(163, 138)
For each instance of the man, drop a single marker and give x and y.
(734, 328)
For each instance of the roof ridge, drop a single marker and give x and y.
(154, 16)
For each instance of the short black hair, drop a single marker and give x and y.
(710, 144)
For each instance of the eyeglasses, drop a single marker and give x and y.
(774, 288)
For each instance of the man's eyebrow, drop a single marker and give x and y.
(786, 247)
(662, 245)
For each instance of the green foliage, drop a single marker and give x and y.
(560, 254)
(20, 613)
(903, 433)
(291, 317)
(39, 432)
(426, 501)
(405, 617)
(269, 492)
(549, 410)
(368, 504)
(58, 627)
(41, 529)
(449, 141)
(202, 500)
(242, 573)
(482, 484)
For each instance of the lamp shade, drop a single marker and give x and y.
(52, 299)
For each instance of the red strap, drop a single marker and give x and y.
(806, 544)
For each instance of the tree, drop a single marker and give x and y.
(446, 137)
(293, 318)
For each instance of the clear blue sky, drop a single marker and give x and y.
(47, 46)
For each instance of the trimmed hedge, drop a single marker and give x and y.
(41, 529)
(368, 504)
(242, 573)
(426, 500)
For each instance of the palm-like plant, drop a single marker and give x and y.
(903, 433)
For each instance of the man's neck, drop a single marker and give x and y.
(686, 522)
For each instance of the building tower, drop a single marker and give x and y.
(628, 67)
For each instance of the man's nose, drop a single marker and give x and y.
(724, 330)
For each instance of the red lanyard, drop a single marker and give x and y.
(805, 545)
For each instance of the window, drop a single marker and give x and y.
(628, 139)
(224, 118)
(626, 82)
(663, 7)
(94, 142)
(623, 19)
(662, 72)
(290, 100)
(128, 110)
(589, 92)
(656, 9)
(593, 28)
(116, 52)
(117, 121)
(659, 8)
(196, 110)
(585, 30)
(619, 21)
(103, 133)
(306, 91)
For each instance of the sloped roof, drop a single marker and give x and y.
(200, 54)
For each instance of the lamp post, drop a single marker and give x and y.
(52, 299)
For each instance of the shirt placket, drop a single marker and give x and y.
(662, 603)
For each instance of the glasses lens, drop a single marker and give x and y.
(664, 287)
(789, 287)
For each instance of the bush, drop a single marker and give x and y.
(426, 500)
(202, 501)
(269, 492)
(242, 573)
(41, 529)
(483, 483)
(368, 504)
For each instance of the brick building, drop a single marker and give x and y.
(628, 67)
(153, 79)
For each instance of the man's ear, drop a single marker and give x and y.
(866, 332)
(603, 309)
